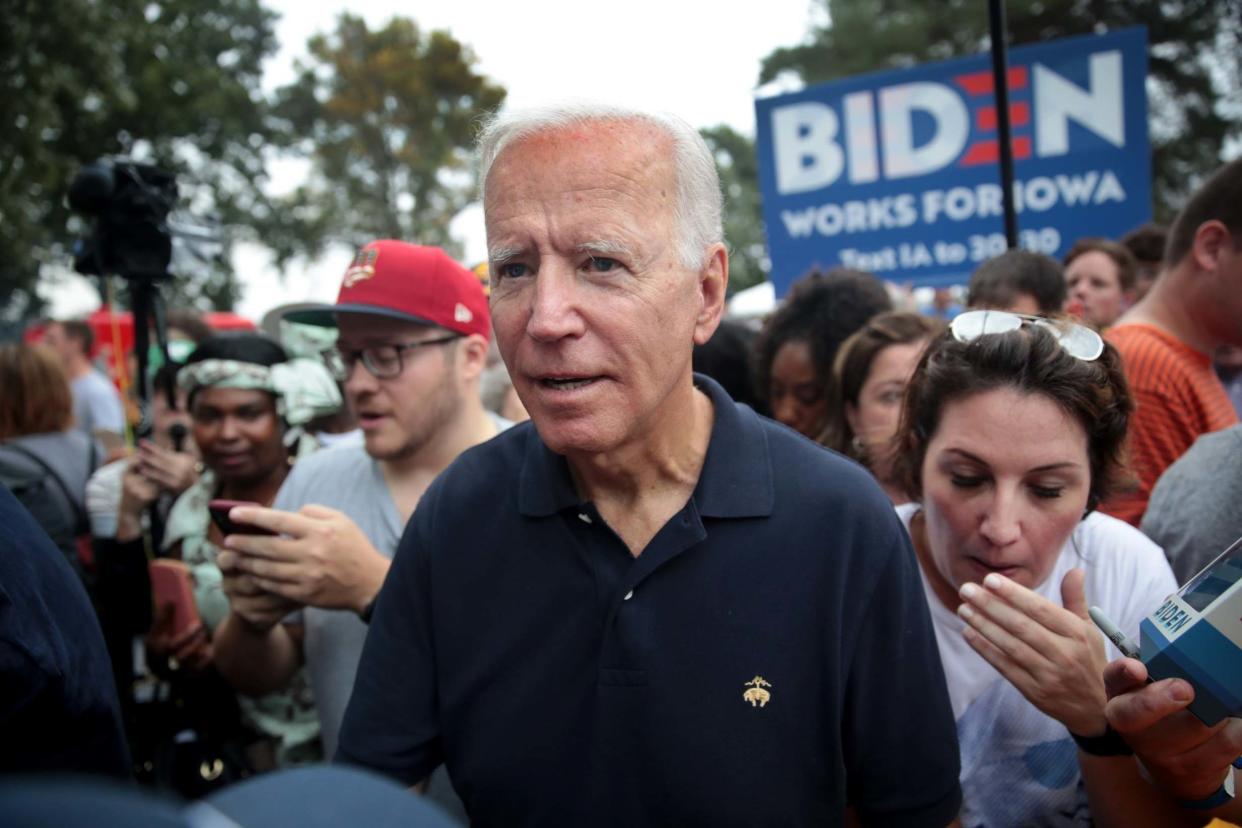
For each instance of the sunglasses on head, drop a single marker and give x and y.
(1077, 340)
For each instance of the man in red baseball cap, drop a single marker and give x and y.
(413, 337)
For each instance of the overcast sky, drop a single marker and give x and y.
(696, 58)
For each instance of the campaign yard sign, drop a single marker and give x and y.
(898, 173)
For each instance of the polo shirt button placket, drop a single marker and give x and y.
(584, 517)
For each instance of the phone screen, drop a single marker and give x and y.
(219, 510)
(1214, 579)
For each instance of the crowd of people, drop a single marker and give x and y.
(834, 567)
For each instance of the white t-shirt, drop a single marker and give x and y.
(1019, 766)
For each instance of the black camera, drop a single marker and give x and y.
(129, 203)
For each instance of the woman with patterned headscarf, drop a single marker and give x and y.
(248, 405)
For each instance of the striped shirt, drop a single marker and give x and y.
(1177, 397)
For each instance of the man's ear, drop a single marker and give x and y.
(713, 285)
(471, 356)
(1212, 239)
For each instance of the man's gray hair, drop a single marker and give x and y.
(699, 201)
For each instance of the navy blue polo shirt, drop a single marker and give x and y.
(766, 659)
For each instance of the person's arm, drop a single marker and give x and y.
(112, 443)
(107, 418)
(899, 737)
(1121, 797)
(1184, 759)
(174, 471)
(253, 660)
(253, 650)
(138, 492)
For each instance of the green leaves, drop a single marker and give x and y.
(743, 218)
(384, 121)
(388, 118)
(172, 82)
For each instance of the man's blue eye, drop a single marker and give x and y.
(603, 264)
(513, 270)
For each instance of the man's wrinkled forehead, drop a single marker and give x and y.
(582, 150)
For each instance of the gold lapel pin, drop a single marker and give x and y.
(756, 695)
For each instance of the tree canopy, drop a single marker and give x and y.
(383, 120)
(743, 218)
(1195, 61)
(387, 118)
(171, 82)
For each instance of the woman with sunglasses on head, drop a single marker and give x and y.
(1012, 431)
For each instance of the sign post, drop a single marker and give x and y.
(1000, 63)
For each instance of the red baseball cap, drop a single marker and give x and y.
(407, 281)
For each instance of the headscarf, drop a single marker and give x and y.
(304, 389)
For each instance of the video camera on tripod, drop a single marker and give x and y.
(129, 203)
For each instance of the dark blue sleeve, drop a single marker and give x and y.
(899, 736)
(391, 724)
(58, 704)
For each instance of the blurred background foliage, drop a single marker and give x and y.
(382, 120)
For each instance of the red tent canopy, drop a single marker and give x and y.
(227, 321)
(101, 322)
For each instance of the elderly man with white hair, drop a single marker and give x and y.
(648, 605)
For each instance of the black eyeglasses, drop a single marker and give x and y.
(383, 361)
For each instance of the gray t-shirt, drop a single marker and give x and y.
(1193, 512)
(348, 480)
(97, 404)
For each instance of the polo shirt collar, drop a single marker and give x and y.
(735, 482)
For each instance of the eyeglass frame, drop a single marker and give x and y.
(345, 368)
(1057, 327)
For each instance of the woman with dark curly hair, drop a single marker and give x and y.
(793, 355)
(1013, 430)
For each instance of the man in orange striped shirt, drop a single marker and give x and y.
(1167, 339)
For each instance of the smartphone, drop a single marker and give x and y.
(219, 510)
(171, 584)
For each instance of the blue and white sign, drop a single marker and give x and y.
(898, 172)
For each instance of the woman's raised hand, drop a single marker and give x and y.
(1053, 655)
